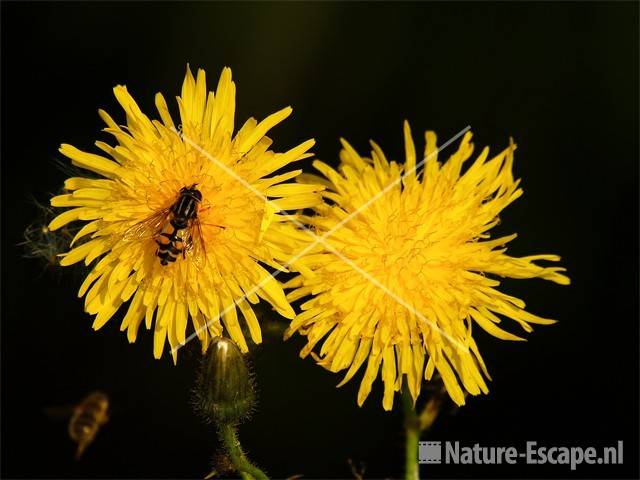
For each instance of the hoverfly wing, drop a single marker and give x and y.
(201, 247)
(147, 228)
(194, 245)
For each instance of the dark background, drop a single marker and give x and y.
(561, 78)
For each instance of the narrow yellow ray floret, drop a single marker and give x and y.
(243, 226)
(424, 241)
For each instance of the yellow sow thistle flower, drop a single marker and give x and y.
(237, 231)
(401, 284)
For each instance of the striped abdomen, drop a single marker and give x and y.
(169, 244)
(183, 212)
(87, 418)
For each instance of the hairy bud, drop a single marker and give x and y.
(224, 389)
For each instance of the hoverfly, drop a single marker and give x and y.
(173, 228)
(87, 418)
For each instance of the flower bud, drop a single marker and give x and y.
(224, 389)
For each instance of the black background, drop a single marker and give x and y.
(561, 78)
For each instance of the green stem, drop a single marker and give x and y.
(245, 468)
(412, 429)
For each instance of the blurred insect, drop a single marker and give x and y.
(357, 471)
(43, 244)
(173, 228)
(87, 418)
(437, 398)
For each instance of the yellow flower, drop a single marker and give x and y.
(239, 230)
(408, 268)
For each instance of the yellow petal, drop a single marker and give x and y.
(262, 128)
